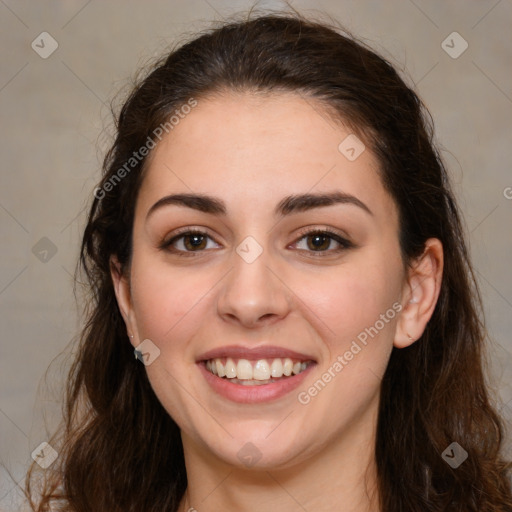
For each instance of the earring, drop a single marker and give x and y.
(410, 337)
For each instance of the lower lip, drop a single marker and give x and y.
(257, 393)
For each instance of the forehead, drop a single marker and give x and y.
(253, 149)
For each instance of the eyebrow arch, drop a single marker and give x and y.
(303, 202)
(288, 205)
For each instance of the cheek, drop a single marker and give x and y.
(167, 301)
(169, 307)
(356, 312)
(354, 300)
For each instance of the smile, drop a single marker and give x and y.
(254, 375)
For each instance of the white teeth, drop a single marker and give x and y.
(254, 382)
(287, 367)
(276, 368)
(261, 370)
(244, 369)
(230, 368)
(220, 368)
(296, 368)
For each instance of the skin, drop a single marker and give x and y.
(252, 151)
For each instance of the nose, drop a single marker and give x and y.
(252, 294)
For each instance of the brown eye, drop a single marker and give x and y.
(189, 242)
(318, 242)
(194, 241)
(322, 242)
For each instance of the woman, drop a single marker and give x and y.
(283, 310)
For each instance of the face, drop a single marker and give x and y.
(273, 297)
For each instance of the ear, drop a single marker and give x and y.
(123, 295)
(420, 294)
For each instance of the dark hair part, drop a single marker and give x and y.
(121, 451)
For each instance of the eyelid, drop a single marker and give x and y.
(180, 233)
(322, 229)
(335, 235)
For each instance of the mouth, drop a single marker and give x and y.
(254, 375)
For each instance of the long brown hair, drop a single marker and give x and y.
(121, 451)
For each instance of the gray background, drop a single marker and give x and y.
(56, 126)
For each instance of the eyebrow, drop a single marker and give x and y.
(290, 204)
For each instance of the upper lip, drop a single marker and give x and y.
(253, 353)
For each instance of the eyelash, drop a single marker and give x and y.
(332, 235)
